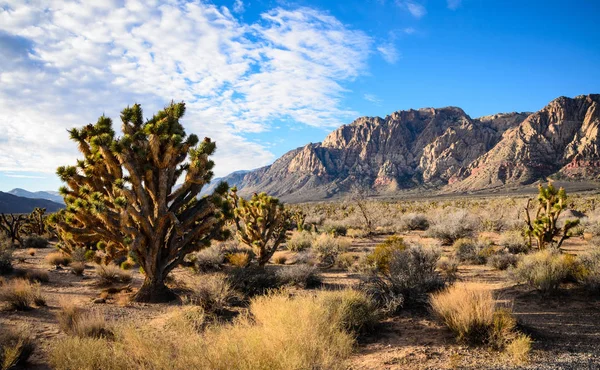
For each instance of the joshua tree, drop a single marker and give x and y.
(37, 221)
(299, 218)
(122, 195)
(12, 225)
(261, 223)
(544, 228)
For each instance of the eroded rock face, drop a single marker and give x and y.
(560, 139)
(438, 148)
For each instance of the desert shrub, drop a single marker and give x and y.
(15, 348)
(414, 221)
(303, 276)
(356, 233)
(58, 258)
(353, 310)
(20, 294)
(112, 274)
(6, 257)
(345, 260)
(306, 257)
(449, 266)
(78, 268)
(34, 275)
(514, 242)
(544, 270)
(213, 293)
(299, 241)
(502, 260)
(590, 279)
(239, 259)
(412, 275)
(470, 312)
(306, 331)
(471, 251)
(31, 252)
(75, 321)
(188, 318)
(35, 241)
(452, 227)
(279, 258)
(518, 349)
(208, 259)
(327, 248)
(381, 256)
(252, 281)
(336, 229)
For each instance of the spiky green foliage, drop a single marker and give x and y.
(261, 223)
(122, 197)
(12, 225)
(544, 227)
(299, 218)
(36, 221)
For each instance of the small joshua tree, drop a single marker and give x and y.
(543, 228)
(261, 223)
(299, 218)
(37, 221)
(12, 225)
(122, 195)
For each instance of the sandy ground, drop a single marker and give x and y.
(566, 327)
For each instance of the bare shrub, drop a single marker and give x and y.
(414, 221)
(303, 276)
(502, 260)
(590, 278)
(208, 259)
(252, 281)
(279, 258)
(213, 293)
(452, 227)
(471, 251)
(449, 266)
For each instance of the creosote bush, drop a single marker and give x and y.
(471, 251)
(306, 331)
(414, 221)
(20, 294)
(514, 242)
(544, 270)
(327, 248)
(502, 260)
(381, 256)
(299, 241)
(35, 241)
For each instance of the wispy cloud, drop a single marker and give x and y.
(238, 6)
(415, 9)
(409, 30)
(24, 176)
(66, 63)
(453, 4)
(388, 52)
(372, 98)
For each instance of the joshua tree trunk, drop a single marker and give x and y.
(154, 290)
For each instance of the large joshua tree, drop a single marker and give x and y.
(122, 195)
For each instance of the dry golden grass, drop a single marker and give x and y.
(75, 321)
(15, 348)
(309, 331)
(519, 348)
(58, 259)
(20, 294)
(112, 274)
(238, 259)
(279, 258)
(31, 252)
(467, 310)
(78, 268)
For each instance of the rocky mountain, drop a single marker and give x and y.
(48, 195)
(438, 149)
(10, 203)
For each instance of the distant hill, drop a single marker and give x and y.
(49, 195)
(233, 179)
(10, 203)
(439, 150)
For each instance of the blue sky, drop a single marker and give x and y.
(264, 77)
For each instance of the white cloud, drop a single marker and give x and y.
(66, 63)
(388, 52)
(453, 4)
(372, 98)
(409, 30)
(238, 6)
(415, 9)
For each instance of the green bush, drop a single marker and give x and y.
(327, 248)
(299, 241)
(471, 251)
(544, 270)
(35, 241)
(381, 256)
